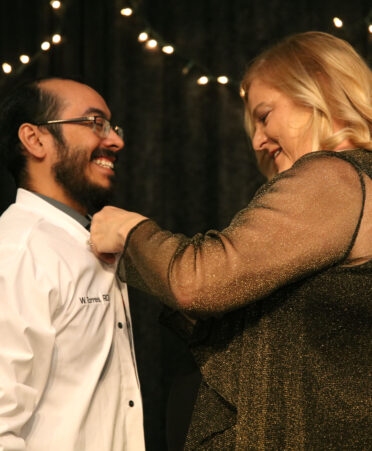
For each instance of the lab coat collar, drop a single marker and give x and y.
(34, 203)
(83, 220)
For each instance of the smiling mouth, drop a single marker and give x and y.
(104, 163)
(276, 153)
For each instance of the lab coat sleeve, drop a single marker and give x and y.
(27, 302)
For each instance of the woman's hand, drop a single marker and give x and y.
(109, 231)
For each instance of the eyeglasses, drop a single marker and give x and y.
(100, 125)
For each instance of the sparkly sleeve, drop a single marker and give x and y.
(302, 221)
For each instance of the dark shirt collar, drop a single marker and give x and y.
(83, 220)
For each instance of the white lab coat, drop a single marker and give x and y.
(68, 379)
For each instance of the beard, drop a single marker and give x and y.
(69, 172)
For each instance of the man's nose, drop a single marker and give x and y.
(113, 141)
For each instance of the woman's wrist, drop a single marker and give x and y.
(129, 224)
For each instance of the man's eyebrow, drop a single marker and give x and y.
(95, 111)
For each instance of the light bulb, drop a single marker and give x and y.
(126, 12)
(168, 49)
(370, 28)
(142, 37)
(337, 22)
(222, 79)
(57, 38)
(151, 44)
(203, 80)
(55, 4)
(7, 68)
(45, 46)
(25, 59)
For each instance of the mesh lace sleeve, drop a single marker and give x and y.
(304, 220)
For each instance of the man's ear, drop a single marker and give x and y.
(32, 139)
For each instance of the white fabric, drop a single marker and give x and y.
(67, 370)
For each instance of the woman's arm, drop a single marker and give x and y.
(302, 221)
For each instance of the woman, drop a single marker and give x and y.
(286, 288)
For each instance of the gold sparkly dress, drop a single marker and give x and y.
(284, 296)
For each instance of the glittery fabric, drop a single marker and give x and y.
(285, 350)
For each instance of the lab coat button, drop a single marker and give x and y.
(120, 325)
(131, 403)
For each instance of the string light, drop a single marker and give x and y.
(25, 59)
(203, 80)
(143, 37)
(168, 49)
(151, 44)
(55, 4)
(126, 12)
(152, 41)
(222, 79)
(7, 68)
(45, 46)
(338, 22)
(56, 38)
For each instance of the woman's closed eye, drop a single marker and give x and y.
(263, 117)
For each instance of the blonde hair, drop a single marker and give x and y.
(322, 72)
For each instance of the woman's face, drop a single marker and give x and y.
(281, 126)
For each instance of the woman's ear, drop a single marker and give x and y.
(32, 140)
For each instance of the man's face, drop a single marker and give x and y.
(71, 171)
(84, 164)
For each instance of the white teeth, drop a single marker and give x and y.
(104, 163)
(276, 153)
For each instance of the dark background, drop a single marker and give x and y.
(187, 161)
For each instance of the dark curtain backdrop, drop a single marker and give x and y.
(187, 162)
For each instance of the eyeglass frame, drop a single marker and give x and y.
(77, 120)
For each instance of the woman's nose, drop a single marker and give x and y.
(259, 139)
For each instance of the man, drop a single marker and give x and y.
(68, 378)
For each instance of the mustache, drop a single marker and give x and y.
(100, 153)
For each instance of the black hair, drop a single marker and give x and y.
(28, 102)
